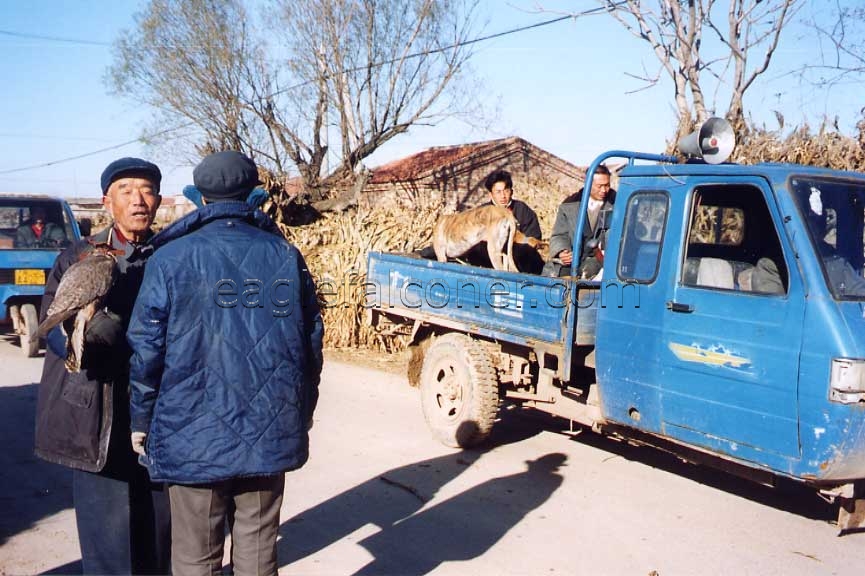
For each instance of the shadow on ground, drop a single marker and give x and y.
(32, 489)
(787, 495)
(413, 539)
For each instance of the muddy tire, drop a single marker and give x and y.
(415, 362)
(459, 390)
(28, 330)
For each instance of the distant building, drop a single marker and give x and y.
(456, 174)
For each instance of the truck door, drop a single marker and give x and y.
(631, 310)
(732, 327)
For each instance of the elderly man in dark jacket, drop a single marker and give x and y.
(82, 418)
(227, 341)
(601, 199)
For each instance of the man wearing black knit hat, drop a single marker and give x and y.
(82, 418)
(227, 339)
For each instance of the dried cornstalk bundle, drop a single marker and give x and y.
(825, 147)
(335, 248)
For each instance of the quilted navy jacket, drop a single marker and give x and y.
(226, 337)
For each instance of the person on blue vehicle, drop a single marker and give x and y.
(39, 232)
(227, 341)
(601, 198)
(500, 186)
(82, 418)
(844, 280)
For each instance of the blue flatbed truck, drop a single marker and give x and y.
(729, 323)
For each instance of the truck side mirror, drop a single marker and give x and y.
(85, 226)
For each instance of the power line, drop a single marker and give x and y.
(437, 50)
(52, 38)
(94, 152)
(295, 86)
(20, 136)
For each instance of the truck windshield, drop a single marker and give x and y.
(33, 224)
(835, 219)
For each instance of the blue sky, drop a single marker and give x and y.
(563, 87)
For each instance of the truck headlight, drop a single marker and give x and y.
(847, 380)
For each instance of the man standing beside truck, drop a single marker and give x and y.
(82, 418)
(224, 385)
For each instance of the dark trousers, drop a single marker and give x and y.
(198, 516)
(123, 525)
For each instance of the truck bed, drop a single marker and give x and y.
(506, 306)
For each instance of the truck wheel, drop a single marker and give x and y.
(29, 327)
(459, 390)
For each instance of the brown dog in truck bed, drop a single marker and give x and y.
(456, 234)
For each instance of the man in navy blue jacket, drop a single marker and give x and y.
(227, 351)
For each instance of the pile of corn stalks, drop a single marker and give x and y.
(335, 248)
(826, 146)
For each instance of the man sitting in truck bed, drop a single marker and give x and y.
(38, 232)
(500, 186)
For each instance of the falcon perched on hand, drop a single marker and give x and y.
(81, 293)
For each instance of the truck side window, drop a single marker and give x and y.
(645, 222)
(732, 242)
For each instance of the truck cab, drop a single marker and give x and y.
(33, 231)
(748, 336)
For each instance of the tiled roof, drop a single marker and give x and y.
(420, 164)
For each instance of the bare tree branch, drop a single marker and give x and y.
(674, 30)
(363, 70)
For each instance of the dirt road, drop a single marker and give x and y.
(379, 496)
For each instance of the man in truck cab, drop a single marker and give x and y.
(39, 232)
(834, 244)
(601, 200)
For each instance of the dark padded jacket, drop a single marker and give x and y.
(82, 419)
(227, 349)
(527, 220)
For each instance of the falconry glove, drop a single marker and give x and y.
(104, 329)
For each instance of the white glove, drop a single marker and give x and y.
(138, 439)
(816, 202)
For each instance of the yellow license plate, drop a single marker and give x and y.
(30, 277)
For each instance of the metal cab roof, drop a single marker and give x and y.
(774, 172)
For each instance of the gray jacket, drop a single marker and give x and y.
(562, 237)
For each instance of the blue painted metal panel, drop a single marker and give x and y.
(23, 259)
(40, 258)
(732, 363)
(507, 306)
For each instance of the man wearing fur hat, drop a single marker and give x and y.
(227, 339)
(82, 418)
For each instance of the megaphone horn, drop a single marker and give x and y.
(713, 142)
